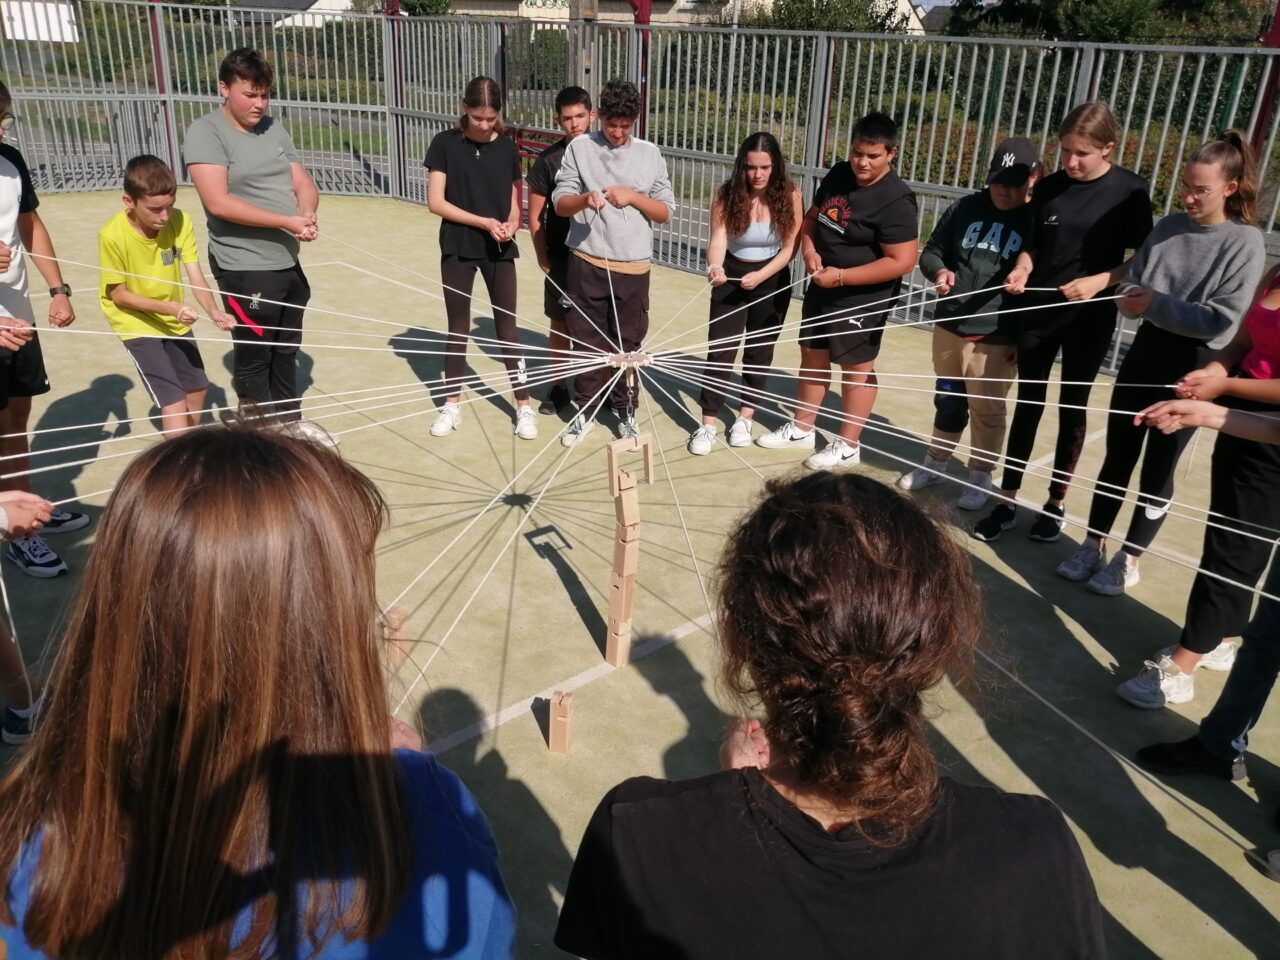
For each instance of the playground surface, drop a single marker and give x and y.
(502, 550)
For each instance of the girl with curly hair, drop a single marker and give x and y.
(755, 223)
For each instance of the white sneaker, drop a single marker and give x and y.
(447, 420)
(1160, 683)
(740, 433)
(787, 436)
(1219, 659)
(702, 440)
(526, 422)
(1084, 563)
(579, 429)
(976, 499)
(835, 456)
(931, 472)
(1118, 575)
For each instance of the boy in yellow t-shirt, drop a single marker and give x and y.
(142, 253)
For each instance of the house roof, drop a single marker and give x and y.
(936, 19)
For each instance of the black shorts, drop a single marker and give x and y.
(555, 302)
(170, 367)
(825, 324)
(22, 373)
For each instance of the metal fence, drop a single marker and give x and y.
(97, 82)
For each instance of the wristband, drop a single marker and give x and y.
(840, 276)
(64, 289)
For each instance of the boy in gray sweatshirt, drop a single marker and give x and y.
(614, 187)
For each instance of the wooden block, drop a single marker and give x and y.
(626, 556)
(617, 645)
(559, 722)
(622, 593)
(626, 507)
(627, 533)
(614, 452)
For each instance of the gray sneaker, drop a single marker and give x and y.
(1084, 563)
(1160, 683)
(1116, 577)
(1219, 659)
(579, 429)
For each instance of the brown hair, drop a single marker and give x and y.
(1093, 121)
(148, 176)
(734, 196)
(216, 731)
(841, 603)
(1234, 158)
(482, 92)
(6, 98)
(245, 63)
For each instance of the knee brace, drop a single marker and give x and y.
(951, 405)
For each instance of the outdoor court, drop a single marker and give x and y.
(514, 603)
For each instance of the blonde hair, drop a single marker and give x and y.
(1093, 121)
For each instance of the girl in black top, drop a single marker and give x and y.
(837, 835)
(474, 187)
(1084, 218)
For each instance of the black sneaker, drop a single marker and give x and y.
(556, 401)
(33, 555)
(1188, 756)
(1048, 526)
(1003, 517)
(64, 521)
(17, 729)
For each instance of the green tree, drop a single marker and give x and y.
(426, 8)
(868, 16)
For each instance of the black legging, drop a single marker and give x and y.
(1245, 489)
(500, 280)
(1156, 359)
(762, 321)
(1083, 333)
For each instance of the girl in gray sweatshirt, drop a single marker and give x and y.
(1190, 283)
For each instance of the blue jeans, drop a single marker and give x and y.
(1225, 731)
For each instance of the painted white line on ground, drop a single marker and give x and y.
(522, 708)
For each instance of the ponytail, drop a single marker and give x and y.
(1232, 155)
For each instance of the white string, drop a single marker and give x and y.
(519, 525)
(496, 497)
(1150, 551)
(675, 497)
(311, 309)
(1112, 490)
(444, 286)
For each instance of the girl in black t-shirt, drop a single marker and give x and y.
(858, 241)
(1084, 218)
(832, 833)
(473, 186)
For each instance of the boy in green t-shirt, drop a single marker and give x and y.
(142, 253)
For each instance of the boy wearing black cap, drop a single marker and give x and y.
(973, 247)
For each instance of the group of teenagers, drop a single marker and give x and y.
(209, 784)
(1030, 269)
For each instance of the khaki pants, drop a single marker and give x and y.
(986, 371)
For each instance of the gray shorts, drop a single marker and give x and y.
(170, 367)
